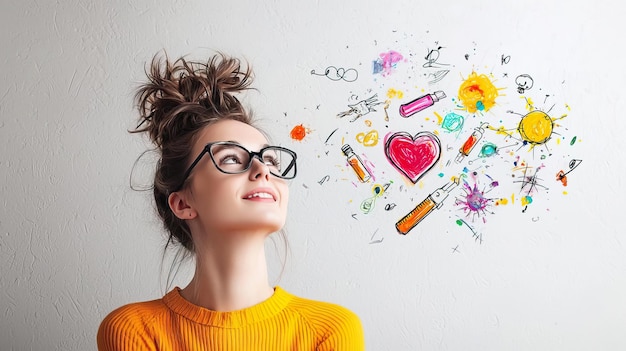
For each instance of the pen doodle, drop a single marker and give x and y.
(323, 180)
(562, 176)
(477, 236)
(431, 62)
(331, 134)
(333, 73)
(390, 206)
(385, 107)
(361, 108)
(368, 204)
(431, 202)
(524, 82)
(530, 182)
(372, 241)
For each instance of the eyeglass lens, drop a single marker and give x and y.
(232, 158)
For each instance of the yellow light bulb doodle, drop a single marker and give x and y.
(368, 139)
(368, 204)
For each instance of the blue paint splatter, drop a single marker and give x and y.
(480, 106)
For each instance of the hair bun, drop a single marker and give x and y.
(182, 95)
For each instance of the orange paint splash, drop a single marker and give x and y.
(298, 132)
(477, 93)
(562, 177)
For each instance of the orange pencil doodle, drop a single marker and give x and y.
(471, 141)
(433, 201)
(356, 163)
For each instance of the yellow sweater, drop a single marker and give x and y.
(282, 322)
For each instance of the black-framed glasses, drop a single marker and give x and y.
(232, 158)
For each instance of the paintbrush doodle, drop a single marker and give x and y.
(361, 108)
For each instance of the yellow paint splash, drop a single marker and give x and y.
(368, 139)
(393, 93)
(477, 93)
(529, 103)
(439, 118)
(502, 201)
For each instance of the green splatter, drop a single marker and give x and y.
(573, 141)
(459, 222)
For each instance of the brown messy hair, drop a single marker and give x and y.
(180, 98)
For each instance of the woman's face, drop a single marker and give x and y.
(252, 201)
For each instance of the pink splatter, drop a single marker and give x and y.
(386, 62)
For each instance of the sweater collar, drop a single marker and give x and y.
(233, 319)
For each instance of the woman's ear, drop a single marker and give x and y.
(180, 206)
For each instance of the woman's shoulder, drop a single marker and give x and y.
(322, 313)
(129, 321)
(337, 327)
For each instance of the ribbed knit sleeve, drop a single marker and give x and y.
(336, 327)
(127, 328)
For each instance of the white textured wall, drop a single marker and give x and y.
(76, 242)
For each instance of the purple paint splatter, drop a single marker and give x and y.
(386, 62)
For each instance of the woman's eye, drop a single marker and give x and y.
(230, 159)
(271, 161)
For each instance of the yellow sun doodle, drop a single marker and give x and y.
(477, 93)
(536, 127)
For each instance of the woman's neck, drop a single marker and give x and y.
(229, 277)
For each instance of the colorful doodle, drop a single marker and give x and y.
(421, 103)
(356, 164)
(471, 142)
(368, 139)
(431, 202)
(477, 93)
(386, 62)
(361, 108)
(474, 203)
(562, 176)
(465, 124)
(413, 156)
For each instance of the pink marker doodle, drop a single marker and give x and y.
(419, 104)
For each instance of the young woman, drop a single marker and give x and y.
(220, 190)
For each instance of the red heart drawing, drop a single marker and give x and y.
(413, 156)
